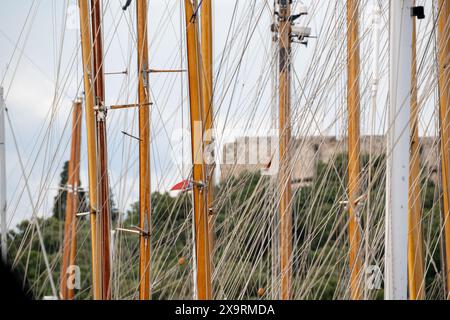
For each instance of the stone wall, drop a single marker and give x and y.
(261, 154)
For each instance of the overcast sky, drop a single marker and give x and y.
(40, 68)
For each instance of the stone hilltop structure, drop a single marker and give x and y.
(251, 154)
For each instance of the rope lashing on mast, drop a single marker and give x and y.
(126, 5)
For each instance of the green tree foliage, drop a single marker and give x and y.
(60, 200)
(172, 236)
(26, 251)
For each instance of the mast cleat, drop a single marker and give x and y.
(82, 214)
(299, 10)
(135, 230)
(101, 112)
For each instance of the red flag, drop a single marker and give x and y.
(268, 165)
(184, 185)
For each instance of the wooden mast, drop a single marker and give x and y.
(89, 92)
(144, 151)
(415, 241)
(204, 290)
(208, 111)
(285, 188)
(444, 96)
(104, 210)
(353, 106)
(70, 224)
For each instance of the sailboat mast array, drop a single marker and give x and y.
(280, 236)
(199, 174)
(353, 105)
(70, 224)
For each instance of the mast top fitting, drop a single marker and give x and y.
(418, 12)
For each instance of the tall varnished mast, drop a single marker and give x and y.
(444, 97)
(144, 151)
(284, 183)
(208, 111)
(89, 93)
(354, 185)
(416, 265)
(70, 224)
(103, 187)
(199, 177)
